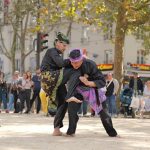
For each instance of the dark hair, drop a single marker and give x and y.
(75, 53)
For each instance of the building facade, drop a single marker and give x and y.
(99, 45)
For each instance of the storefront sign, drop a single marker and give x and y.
(104, 67)
(142, 67)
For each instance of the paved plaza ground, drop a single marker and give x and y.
(33, 132)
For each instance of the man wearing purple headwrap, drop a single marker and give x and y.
(90, 87)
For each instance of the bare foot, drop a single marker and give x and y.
(73, 99)
(57, 132)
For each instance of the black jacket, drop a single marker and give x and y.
(94, 74)
(53, 60)
(140, 86)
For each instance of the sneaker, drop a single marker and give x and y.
(92, 114)
(26, 112)
(79, 115)
(85, 115)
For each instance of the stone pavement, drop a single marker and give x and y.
(33, 132)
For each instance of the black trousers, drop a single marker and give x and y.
(36, 95)
(15, 93)
(70, 76)
(60, 95)
(25, 97)
(73, 119)
(73, 109)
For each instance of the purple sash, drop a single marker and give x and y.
(89, 95)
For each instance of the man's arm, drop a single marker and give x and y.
(116, 86)
(94, 75)
(88, 83)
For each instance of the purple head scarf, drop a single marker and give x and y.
(75, 55)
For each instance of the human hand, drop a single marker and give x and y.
(84, 80)
(73, 99)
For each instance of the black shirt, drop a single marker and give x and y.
(53, 60)
(110, 88)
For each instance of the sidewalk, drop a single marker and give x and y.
(33, 132)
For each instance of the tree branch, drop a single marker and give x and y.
(142, 5)
(26, 23)
(140, 21)
(28, 53)
(4, 49)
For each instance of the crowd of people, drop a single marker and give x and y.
(70, 84)
(19, 95)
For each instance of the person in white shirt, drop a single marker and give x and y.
(24, 86)
(145, 102)
(112, 86)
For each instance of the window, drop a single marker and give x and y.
(17, 64)
(1, 5)
(139, 35)
(108, 35)
(140, 57)
(108, 58)
(1, 64)
(85, 35)
(6, 6)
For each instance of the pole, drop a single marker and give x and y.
(38, 40)
(38, 51)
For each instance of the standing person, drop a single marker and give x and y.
(3, 92)
(145, 101)
(14, 88)
(11, 96)
(137, 87)
(89, 88)
(136, 84)
(112, 86)
(24, 86)
(36, 90)
(52, 71)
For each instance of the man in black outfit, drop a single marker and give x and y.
(95, 80)
(52, 72)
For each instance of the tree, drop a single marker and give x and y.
(9, 52)
(18, 20)
(128, 16)
(22, 10)
(146, 39)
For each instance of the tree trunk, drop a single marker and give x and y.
(121, 27)
(13, 52)
(22, 67)
(13, 65)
